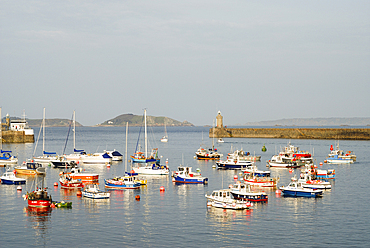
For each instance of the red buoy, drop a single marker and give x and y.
(235, 177)
(161, 188)
(79, 193)
(137, 197)
(55, 184)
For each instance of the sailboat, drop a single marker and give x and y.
(165, 137)
(124, 182)
(80, 155)
(5, 156)
(139, 156)
(46, 157)
(77, 154)
(152, 166)
(208, 154)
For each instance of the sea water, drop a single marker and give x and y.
(179, 217)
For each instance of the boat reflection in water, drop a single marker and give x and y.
(39, 219)
(228, 215)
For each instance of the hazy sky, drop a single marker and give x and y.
(252, 60)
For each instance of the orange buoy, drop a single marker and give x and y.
(132, 171)
(79, 193)
(137, 197)
(55, 184)
(320, 163)
(278, 192)
(161, 188)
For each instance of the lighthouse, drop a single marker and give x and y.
(219, 118)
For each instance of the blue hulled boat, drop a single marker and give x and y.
(125, 182)
(296, 189)
(10, 178)
(186, 175)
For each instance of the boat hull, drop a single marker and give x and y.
(96, 195)
(299, 193)
(39, 203)
(121, 185)
(12, 181)
(250, 197)
(179, 179)
(232, 166)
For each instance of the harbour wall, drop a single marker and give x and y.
(293, 133)
(16, 137)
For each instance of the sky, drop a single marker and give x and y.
(187, 60)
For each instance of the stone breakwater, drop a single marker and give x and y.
(293, 133)
(16, 137)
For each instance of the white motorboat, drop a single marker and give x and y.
(224, 199)
(93, 191)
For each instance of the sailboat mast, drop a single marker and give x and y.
(43, 132)
(146, 139)
(213, 135)
(126, 148)
(74, 130)
(1, 133)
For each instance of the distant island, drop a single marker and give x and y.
(137, 120)
(133, 120)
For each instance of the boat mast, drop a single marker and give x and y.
(74, 130)
(213, 135)
(146, 140)
(1, 132)
(43, 133)
(126, 148)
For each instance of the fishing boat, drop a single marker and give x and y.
(185, 174)
(39, 198)
(9, 178)
(337, 159)
(233, 162)
(93, 191)
(341, 154)
(296, 189)
(282, 161)
(255, 171)
(46, 157)
(307, 182)
(139, 156)
(244, 156)
(67, 182)
(224, 199)
(124, 182)
(242, 191)
(30, 168)
(257, 181)
(77, 173)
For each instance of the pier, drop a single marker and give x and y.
(292, 133)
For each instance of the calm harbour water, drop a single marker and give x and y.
(179, 216)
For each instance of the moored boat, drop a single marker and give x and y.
(30, 168)
(224, 199)
(242, 191)
(92, 191)
(186, 175)
(9, 178)
(296, 189)
(254, 170)
(151, 169)
(233, 162)
(66, 182)
(308, 182)
(78, 173)
(6, 158)
(125, 182)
